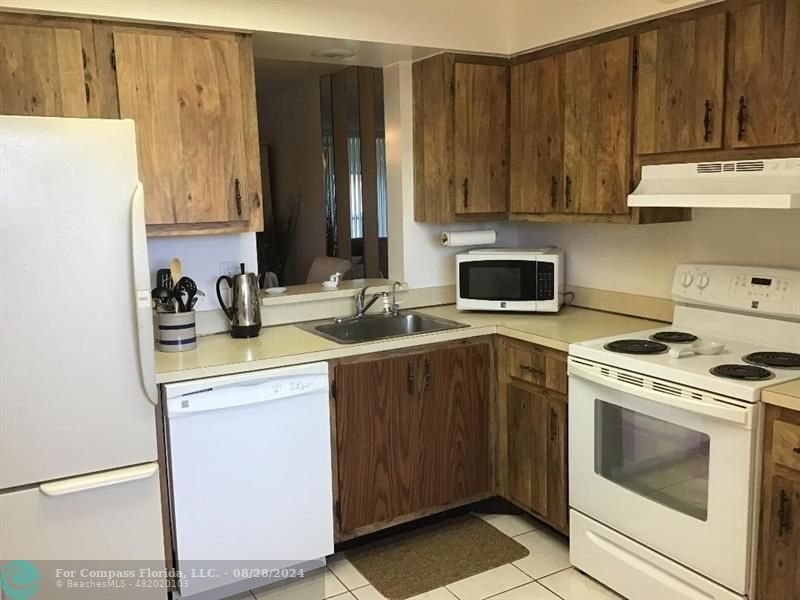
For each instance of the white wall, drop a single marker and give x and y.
(640, 259)
(290, 121)
(200, 257)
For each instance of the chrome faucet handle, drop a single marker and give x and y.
(395, 306)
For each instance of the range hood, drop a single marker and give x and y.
(770, 183)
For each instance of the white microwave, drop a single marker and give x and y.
(512, 279)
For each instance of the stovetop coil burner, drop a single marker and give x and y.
(675, 337)
(636, 347)
(742, 372)
(780, 360)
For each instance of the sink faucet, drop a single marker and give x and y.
(361, 307)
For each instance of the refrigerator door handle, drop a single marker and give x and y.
(98, 480)
(141, 284)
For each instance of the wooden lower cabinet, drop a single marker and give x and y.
(412, 435)
(532, 430)
(537, 453)
(778, 574)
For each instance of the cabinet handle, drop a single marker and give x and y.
(553, 425)
(707, 122)
(411, 377)
(237, 195)
(533, 370)
(740, 118)
(466, 191)
(796, 450)
(568, 191)
(784, 514)
(553, 191)
(428, 376)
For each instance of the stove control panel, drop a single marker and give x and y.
(758, 290)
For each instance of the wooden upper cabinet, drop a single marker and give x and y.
(537, 133)
(433, 91)
(763, 93)
(481, 138)
(598, 94)
(45, 67)
(185, 94)
(681, 70)
(460, 138)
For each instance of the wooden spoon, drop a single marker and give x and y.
(175, 270)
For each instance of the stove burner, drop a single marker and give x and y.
(675, 337)
(636, 347)
(781, 360)
(744, 372)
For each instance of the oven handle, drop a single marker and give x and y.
(718, 410)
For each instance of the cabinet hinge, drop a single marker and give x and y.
(113, 59)
(635, 60)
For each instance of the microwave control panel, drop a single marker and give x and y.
(749, 289)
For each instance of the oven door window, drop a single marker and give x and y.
(659, 460)
(512, 280)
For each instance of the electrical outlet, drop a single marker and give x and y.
(229, 268)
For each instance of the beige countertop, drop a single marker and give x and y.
(786, 395)
(285, 345)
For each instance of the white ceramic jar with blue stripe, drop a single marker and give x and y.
(176, 331)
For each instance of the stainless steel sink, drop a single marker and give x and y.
(378, 327)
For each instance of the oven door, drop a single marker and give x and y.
(669, 466)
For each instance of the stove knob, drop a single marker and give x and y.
(686, 279)
(702, 282)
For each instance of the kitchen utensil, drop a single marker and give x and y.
(191, 304)
(244, 311)
(164, 279)
(698, 347)
(189, 287)
(175, 269)
(180, 304)
(164, 298)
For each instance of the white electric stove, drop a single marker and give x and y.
(663, 442)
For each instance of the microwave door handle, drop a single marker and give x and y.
(717, 410)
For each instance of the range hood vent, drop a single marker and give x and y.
(771, 183)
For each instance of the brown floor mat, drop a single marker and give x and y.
(419, 561)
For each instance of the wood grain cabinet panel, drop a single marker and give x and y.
(598, 92)
(778, 571)
(527, 448)
(763, 91)
(537, 133)
(681, 70)
(184, 92)
(412, 435)
(42, 69)
(481, 138)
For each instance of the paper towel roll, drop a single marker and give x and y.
(468, 238)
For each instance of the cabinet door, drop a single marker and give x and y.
(433, 91)
(680, 86)
(537, 129)
(779, 564)
(763, 93)
(527, 447)
(455, 417)
(481, 123)
(598, 93)
(378, 440)
(557, 502)
(185, 94)
(42, 70)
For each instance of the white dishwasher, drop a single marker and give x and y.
(250, 476)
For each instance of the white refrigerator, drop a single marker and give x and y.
(79, 475)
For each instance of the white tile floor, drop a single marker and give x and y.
(545, 574)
